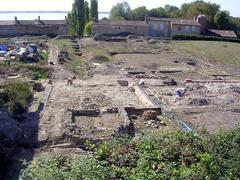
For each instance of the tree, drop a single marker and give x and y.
(76, 18)
(139, 13)
(71, 24)
(222, 20)
(121, 11)
(87, 11)
(172, 11)
(157, 12)
(94, 9)
(80, 9)
(190, 10)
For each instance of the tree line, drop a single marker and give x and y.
(80, 17)
(215, 17)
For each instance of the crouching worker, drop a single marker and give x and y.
(180, 92)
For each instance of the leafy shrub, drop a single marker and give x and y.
(44, 55)
(15, 96)
(40, 72)
(87, 28)
(174, 155)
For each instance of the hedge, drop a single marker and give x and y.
(204, 38)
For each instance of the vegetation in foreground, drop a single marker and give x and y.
(174, 155)
(15, 96)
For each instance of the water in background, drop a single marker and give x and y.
(44, 16)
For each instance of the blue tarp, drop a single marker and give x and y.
(3, 47)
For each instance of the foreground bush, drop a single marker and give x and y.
(15, 96)
(174, 155)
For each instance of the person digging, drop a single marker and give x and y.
(70, 80)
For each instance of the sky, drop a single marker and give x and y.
(105, 5)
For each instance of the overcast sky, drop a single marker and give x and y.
(105, 5)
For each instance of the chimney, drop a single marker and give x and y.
(146, 19)
(39, 19)
(201, 19)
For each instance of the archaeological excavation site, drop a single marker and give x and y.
(85, 91)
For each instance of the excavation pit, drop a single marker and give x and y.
(96, 125)
(143, 124)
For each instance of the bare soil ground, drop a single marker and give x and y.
(202, 64)
(211, 102)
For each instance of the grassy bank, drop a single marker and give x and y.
(214, 51)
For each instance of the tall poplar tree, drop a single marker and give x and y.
(87, 11)
(94, 9)
(76, 18)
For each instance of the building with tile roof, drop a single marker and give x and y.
(33, 27)
(159, 27)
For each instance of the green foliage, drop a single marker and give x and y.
(193, 9)
(175, 155)
(139, 13)
(172, 11)
(87, 28)
(87, 11)
(72, 24)
(80, 11)
(44, 55)
(40, 72)
(94, 9)
(121, 11)
(15, 96)
(222, 19)
(158, 12)
(214, 17)
(76, 18)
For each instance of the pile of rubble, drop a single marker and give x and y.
(93, 101)
(63, 56)
(151, 119)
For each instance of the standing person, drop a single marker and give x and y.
(70, 80)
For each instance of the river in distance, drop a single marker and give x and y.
(43, 15)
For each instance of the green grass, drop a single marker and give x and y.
(214, 51)
(99, 55)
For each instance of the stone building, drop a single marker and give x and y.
(120, 27)
(33, 27)
(154, 27)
